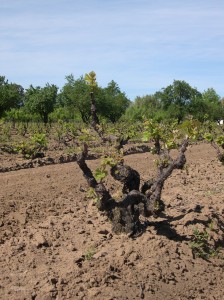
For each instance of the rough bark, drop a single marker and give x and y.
(95, 125)
(165, 172)
(128, 176)
(124, 214)
(95, 121)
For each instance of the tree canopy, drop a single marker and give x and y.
(11, 95)
(176, 101)
(41, 100)
(176, 98)
(110, 101)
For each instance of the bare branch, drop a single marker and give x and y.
(124, 214)
(95, 120)
(81, 157)
(178, 163)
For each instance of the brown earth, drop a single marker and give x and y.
(54, 244)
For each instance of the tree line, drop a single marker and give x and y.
(71, 102)
(176, 101)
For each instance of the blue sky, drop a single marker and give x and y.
(143, 45)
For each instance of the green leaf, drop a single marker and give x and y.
(145, 136)
(208, 137)
(100, 174)
(220, 140)
(91, 79)
(171, 145)
(109, 161)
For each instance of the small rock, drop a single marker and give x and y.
(39, 240)
(54, 280)
(105, 232)
(100, 254)
(71, 247)
(79, 258)
(198, 208)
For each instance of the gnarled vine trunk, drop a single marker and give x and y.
(124, 214)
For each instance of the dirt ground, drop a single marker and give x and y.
(54, 244)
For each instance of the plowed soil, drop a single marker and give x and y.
(54, 244)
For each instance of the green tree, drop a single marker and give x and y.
(198, 108)
(176, 98)
(20, 115)
(63, 113)
(75, 95)
(111, 103)
(215, 110)
(41, 100)
(210, 96)
(209, 105)
(144, 107)
(11, 95)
